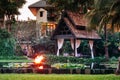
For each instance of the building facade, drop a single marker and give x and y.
(45, 18)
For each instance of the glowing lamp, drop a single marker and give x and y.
(38, 59)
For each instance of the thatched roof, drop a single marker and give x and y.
(76, 18)
(73, 25)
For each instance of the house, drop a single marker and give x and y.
(72, 26)
(45, 18)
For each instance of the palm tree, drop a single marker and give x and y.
(114, 15)
(100, 17)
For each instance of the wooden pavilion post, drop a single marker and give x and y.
(74, 47)
(91, 48)
(56, 46)
(92, 54)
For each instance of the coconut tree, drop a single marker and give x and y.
(114, 16)
(101, 16)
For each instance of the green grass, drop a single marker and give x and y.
(57, 77)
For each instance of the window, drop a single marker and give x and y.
(41, 13)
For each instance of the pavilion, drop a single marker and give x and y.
(72, 26)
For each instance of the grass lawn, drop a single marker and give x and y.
(57, 77)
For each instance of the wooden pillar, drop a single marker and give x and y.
(74, 47)
(56, 46)
(91, 48)
(92, 54)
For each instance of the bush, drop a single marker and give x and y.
(52, 59)
(68, 66)
(113, 43)
(7, 43)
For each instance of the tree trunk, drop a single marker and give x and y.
(106, 46)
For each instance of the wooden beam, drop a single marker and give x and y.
(64, 36)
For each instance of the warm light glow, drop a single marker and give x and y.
(38, 59)
(41, 67)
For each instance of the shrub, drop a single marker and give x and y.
(7, 43)
(52, 59)
(113, 43)
(68, 66)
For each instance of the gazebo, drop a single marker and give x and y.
(72, 26)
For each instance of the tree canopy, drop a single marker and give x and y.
(10, 7)
(72, 5)
(104, 12)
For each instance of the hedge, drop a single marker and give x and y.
(51, 59)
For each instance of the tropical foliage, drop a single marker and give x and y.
(52, 59)
(115, 15)
(103, 13)
(7, 43)
(74, 5)
(80, 6)
(112, 43)
(8, 10)
(10, 7)
(103, 17)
